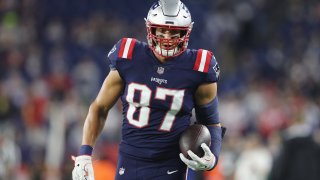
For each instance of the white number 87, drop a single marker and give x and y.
(144, 102)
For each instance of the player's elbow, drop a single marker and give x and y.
(98, 110)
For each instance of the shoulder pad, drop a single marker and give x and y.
(123, 49)
(126, 48)
(203, 60)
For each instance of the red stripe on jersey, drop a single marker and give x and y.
(132, 43)
(122, 46)
(208, 59)
(198, 60)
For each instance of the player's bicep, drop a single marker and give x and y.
(110, 90)
(205, 93)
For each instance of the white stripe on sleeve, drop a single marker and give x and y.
(126, 48)
(203, 60)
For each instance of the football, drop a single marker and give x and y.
(192, 138)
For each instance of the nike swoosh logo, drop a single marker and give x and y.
(171, 172)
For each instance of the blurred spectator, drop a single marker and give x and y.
(61, 114)
(86, 78)
(254, 163)
(10, 154)
(300, 155)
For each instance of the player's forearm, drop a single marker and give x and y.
(94, 124)
(208, 115)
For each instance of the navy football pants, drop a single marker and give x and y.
(129, 168)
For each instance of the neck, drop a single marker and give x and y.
(160, 58)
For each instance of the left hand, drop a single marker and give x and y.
(200, 164)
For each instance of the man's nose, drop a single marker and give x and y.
(167, 34)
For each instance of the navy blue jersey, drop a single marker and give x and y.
(158, 98)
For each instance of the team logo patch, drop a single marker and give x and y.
(160, 70)
(112, 50)
(216, 69)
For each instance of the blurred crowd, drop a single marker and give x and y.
(53, 61)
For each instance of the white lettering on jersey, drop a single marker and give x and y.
(158, 80)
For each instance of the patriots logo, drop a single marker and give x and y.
(112, 50)
(216, 69)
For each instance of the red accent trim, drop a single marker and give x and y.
(208, 60)
(132, 43)
(198, 60)
(122, 46)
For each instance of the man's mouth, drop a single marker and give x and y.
(167, 46)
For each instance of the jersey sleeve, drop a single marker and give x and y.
(113, 55)
(123, 49)
(213, 71)
(207, 64)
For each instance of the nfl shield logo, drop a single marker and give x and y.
(121, 171)
(160, 70)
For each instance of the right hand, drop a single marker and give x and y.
(83, 169)
(197, 163)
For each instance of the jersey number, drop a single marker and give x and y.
(144, 102)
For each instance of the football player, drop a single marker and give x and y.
(159, 83)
